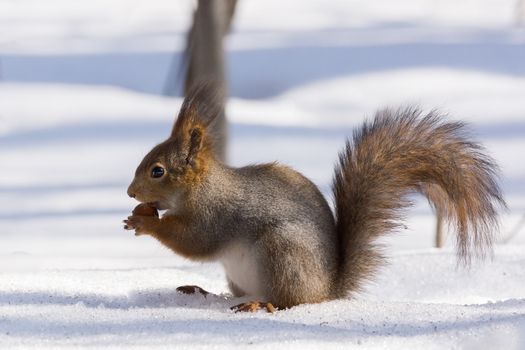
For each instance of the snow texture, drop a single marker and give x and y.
(81, 103)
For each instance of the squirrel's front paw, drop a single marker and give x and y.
(141, 224)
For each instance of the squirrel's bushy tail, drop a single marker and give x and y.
(399, 152)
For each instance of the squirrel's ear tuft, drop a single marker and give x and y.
(201, 107)
(195, 124)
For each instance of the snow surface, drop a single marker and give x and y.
(80, 105)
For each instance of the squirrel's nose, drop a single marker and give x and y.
(131, 193)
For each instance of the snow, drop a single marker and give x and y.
(135, 305)
(80, 105)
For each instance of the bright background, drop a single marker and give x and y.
(81, 103)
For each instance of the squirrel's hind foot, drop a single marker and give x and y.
(253, 306)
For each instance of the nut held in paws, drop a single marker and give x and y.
(144, 209)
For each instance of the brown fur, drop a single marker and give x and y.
(273, 230)
(399, 152)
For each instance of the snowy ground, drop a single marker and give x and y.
(80, 105)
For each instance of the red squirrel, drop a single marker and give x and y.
(273, 230)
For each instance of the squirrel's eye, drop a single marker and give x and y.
(157, 172)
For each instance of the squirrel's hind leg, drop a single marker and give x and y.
(295, 269)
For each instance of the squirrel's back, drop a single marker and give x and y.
(272, 194)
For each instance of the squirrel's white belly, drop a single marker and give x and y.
(240, 264)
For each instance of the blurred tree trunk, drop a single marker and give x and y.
(520, 12)
(440, 236)
(205, 50)
(204, 58)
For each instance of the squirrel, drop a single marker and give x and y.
(275, 234)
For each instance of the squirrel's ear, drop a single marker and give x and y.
(194, 145)
(194, 125)
(201, 107)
